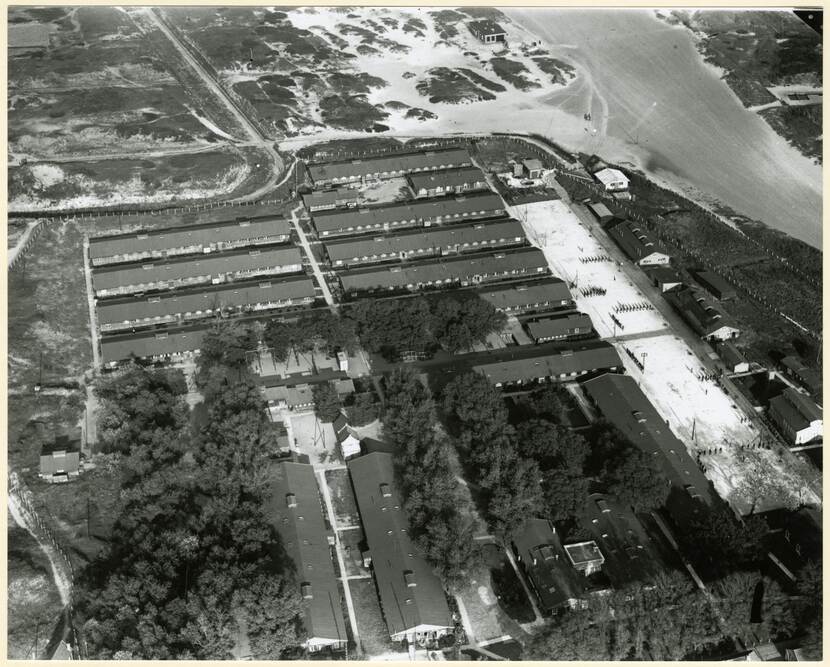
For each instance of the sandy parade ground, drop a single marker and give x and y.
(699, 412)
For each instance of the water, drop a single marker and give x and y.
(656, 104)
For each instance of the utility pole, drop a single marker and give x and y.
(87, 516)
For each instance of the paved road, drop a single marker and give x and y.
(93, 324)
(312, 260)
(21, 242)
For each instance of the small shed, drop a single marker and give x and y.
(733, 358)
(601, 212)
(346, 437)
(60, 466)
(532, 168)
(665, 277)
(487, 31)
(716, 285)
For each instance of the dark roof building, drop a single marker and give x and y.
(547, 566)
(422, 243)
(437, 183)
(540, 295)
(621, 401)
(733, 358)
(326, 200)
(808, 377)
(532, 167)
(28, 37)
(294, 510)
(386, 166)
(466, 270)
(665, 277)
(155, 345)
(560, 328)
(487, 31)
(637, 243)
(551, 367)
(193, 239)
(707, 318)
(601, 212)
(203, 302)
(715, 285)
(797, 416)
(186, 271)
(412, 599)
(421, 213)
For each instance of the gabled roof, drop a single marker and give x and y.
(609, 175)
(152, 343)
(664, 274)
(699, 310)
(586, 359)
(714, 282)
(446, 178)
(548, 290)
(552, 575)
(635, 240)
(560, 326)
(396, 560)
(425, 239)
(445, 270)
(532, 164)
(231, 295)
(330, 197)
(60, 462)
(293, 508)
(731, 355)
(192, 235)
(796, 408)
(403, 162)
(623, 404)
(415, 212)
(141, 273)
(486, 27)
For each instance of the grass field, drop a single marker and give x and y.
(374, 635)
(342, 497)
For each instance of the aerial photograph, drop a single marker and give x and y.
(414, 333)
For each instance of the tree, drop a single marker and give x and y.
(517, 497)
(226, 343)
(552, 445)
(719, 537)
(326, 402)
(363, 410)
(565, 494)
(550, 403)
(634, 478)
(459, 324)
(474, 405)
(749, 604)
(279, 337)
(809, 608)
(391, 327)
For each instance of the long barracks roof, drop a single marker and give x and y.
(190, 267)
(230, 295)
(446, 178)
(409, 591)
(584, 359)
(389, 164)
(634, 240)
(294, 509)
(425, 239)
(151, 344)
(416, 212)
(623, 404)
(193, 235)
(454, 269)
(540, 292)
(798, 410)
(561, 326)
(699, 310)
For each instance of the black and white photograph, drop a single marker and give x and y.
(405, 333)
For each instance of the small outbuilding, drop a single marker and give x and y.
(487, 31)
(601, 212)
(716, 285)
(60, 466)
(733, 358)
(532, 168)
(346, 437)
(613, 180)
(665, 277)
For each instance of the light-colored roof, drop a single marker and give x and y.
(305, 539)
(401, 163)
(415, 212)
(181, 237)
(424, 239)
(59, 462)
(230, 295)
(143, 273)
(609, 176)
(395, 557)
(449, 270)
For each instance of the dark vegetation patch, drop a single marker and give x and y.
(513, 72)
(350, 112)
(560, 72)
(344, 82)
(415, 26)
(482, 81)
(421, 114)
(98, 22)
(801, 126)
(448, 86)
(490, 13)
(445, 22)
(396, 106)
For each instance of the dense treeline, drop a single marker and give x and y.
(440, 516)
(193, 570)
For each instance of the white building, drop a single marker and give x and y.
(612, 180)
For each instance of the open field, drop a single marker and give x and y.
(374, 636)
(342, 497)
(314, 70)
